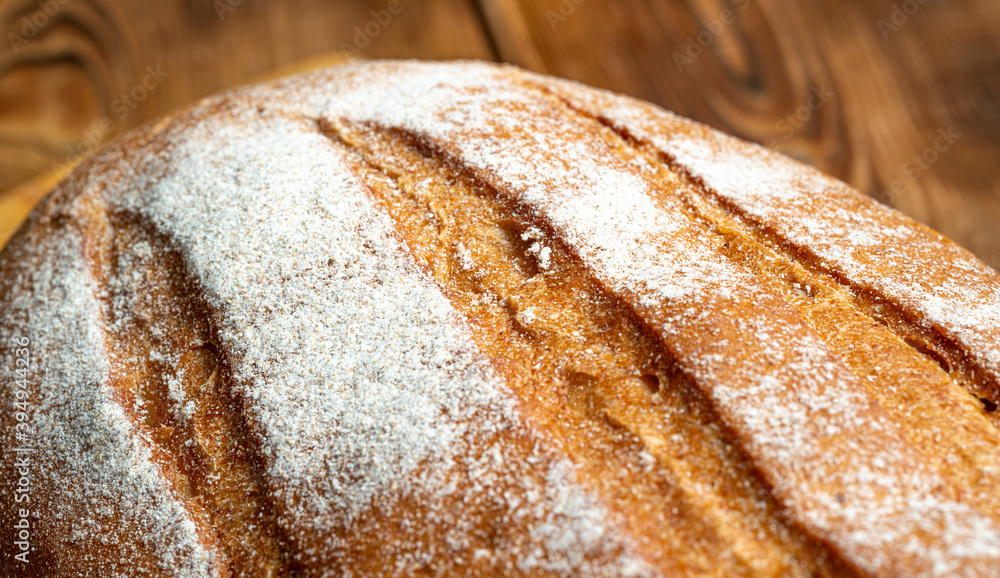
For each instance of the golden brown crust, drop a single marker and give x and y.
(596, 380)
(403, 318)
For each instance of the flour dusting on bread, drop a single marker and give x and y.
(388, 438)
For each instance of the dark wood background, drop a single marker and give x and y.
(863, 89)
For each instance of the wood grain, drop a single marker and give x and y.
(862, 89)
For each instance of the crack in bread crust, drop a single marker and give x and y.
(612, 398)
(791, 401)
(173, 380)
(905, 323)
(913, 384)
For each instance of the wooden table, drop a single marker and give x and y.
(899, 97)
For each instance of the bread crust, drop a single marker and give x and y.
(403, 318)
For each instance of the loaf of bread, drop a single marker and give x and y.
(426, 319)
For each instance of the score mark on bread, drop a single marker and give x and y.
(419, 319)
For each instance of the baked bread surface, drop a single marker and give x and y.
(402, 318)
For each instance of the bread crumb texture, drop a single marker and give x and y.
(425, 319)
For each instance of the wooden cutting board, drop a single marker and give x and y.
(899, 97)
